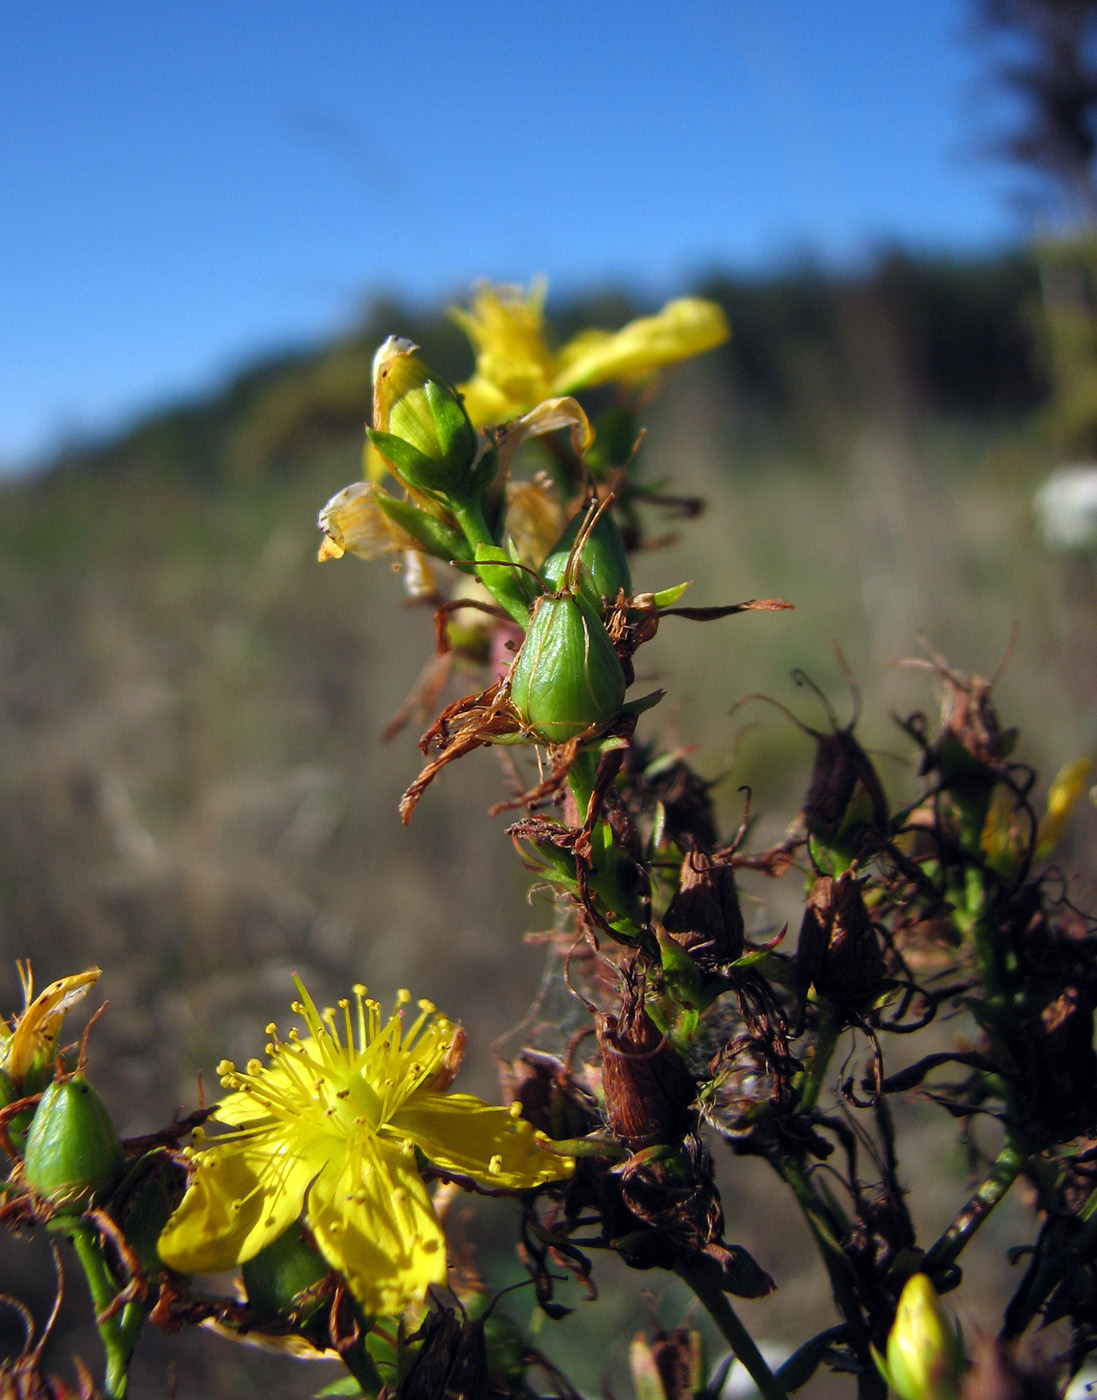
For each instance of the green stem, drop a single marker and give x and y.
(825, 1041)
(715, 1301)
(118, 1333)
(1003, 1173)
(470, 517)
(360, 1364)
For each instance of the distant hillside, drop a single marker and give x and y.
(919, 336)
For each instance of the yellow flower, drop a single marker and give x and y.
(516, 370)
(28, 1045)
(330, 1128)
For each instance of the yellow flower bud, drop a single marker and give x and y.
(924, 1358)
(419, 424)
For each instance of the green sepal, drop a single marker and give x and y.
(681, 976)
(438, 538)
(667, 597)
(413, 467)
(276, 1278)
(150, 1206)
(73, 1150)
(483, 471)
(17, 1126)
(642, 703)
(615, 436)
(456, 435)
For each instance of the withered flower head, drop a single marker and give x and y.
(646, 1084)
(971, 745)
(704, 915)
(839, 954)
(845, 798)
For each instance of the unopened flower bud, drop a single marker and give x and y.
(73, 1151)
(277, 1278)
(602, 566)
(924, 1358)
(567, 678)
(419, 423)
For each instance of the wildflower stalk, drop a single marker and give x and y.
(360, 1364)
(821, 1223)
(716, 1304)
(1004, 1171)
(826, 1040)
(119, 1332)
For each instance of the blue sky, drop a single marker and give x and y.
(184, 186)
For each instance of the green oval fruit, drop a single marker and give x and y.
(567, 678)
(73, 1151)
(602, 565)
(279, 1274)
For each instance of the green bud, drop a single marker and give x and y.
(419, 423)
(73, 1151)
(602, 566)
(567, 678)
(277, 1277)
(924, 1357)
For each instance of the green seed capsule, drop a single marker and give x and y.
(567, 678)
(73, 1151)
(602, 565)
(279, 1274)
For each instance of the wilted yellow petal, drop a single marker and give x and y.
(534, 518)
(36, 1030)
(547, 417)
(683, 328)
(1068, 787)
(353, 523)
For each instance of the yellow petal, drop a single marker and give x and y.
(534, 518)
(514, 365)
(1068, 787)
(378, 1228)
(353, 523)
(548, 417)
(40, 1024)
(461, 1133)
(244, 1195)
(682, 329)
(485, 402)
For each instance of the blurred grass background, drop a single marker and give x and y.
(195, 795)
